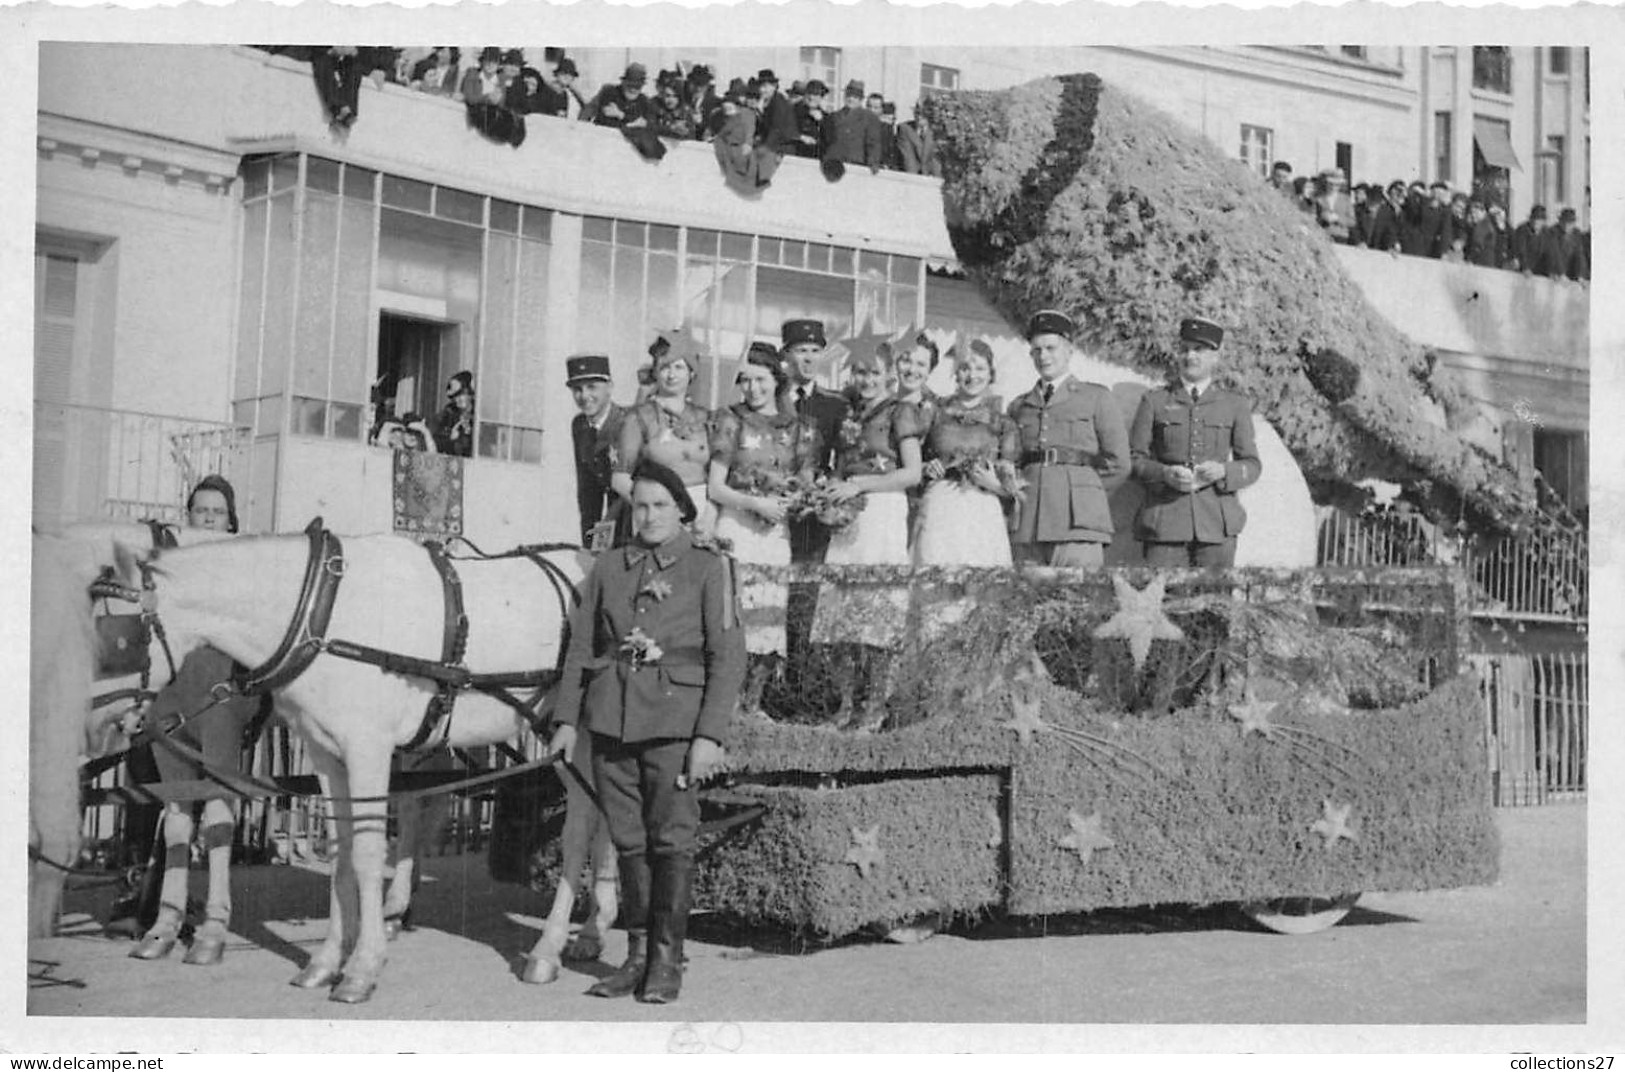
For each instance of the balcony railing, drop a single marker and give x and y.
(92, 463)
(1542, 577)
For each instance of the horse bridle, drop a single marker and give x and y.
(145, 597)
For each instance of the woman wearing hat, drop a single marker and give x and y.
(971, 451)
(216, 732)
(670, 429)
(484, 84)
(755, 452)
(454, 426)
(877, 457)
(746, 166)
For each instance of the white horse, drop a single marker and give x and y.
(240, 596)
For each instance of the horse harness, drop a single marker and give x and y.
(124, 639)
(306, 637)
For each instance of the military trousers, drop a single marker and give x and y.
(637, 784)
(1194, 553)
(1076, 553)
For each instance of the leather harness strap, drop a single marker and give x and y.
(303, 640)
(453, 646)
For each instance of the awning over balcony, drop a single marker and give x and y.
(1493, 141)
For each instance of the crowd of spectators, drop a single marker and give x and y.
(1436, 221)
(752, 123)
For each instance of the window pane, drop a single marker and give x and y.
(841, 264)
(497, 350)
(504, 216)
(818, 257)
(251, 299)
(359, 182)
(628, 233)
(530, 446)
(352, 363)
(318, 268)
(702, 243)
(872, 264)
(281, 262)
(322, 175)
(735, 247)
(593, 321)
(769, 250)
(492, 441)
(458, 205)
(256, 178)
(407, 193)
(662, 237)
(905, 270)
(309, 416)
(270, 416)
(284, 172)
(664, 303)
(538, 223)
(532, 384)
(597, 229)
(346, 421)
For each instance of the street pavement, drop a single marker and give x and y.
(1513, 953)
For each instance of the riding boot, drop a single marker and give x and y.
(668, 925)
(635, 917)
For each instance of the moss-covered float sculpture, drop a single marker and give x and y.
(1071, 193)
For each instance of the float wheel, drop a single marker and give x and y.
(1299, 915)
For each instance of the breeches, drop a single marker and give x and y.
(637, 783)
(1072, 553)
(1204, 555)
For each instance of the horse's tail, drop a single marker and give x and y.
(62, 645)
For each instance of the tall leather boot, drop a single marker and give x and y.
(634, 917)
(668, 924)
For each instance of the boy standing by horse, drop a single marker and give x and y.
(654, 667)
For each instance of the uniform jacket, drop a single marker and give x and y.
(852, 136)
(1171, 430)
(682, 597)
(1066, 502)
(825, 409)
(593, 465)
(1386, 228)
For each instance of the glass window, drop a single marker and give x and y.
(458, 205)
(597, 229)
(1353, 52)
(359, 182)
(841, 262)
(346, 421)
(322, 175)
(702, 243)
(905, 270)
(818, 257)
(256, 177)
(309, 416)
(284, 172)
(1443, 145)
(1257, 149)
(1557, 60)
(538, 223)
(504, 216)
(662, 237)
(630, 233)
(735, 247)
(937, 79)
(407, 193)
(1492, 68)
(769, 251)
(823, 63)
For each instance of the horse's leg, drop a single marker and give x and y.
(605, 889)
(209, 945)
(323, 967)
(546, 958)
(367, 785)
(420, 821)
(161, 937)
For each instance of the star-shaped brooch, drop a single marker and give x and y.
(656, 589)
(1026, 721)
(750, 441)
(1254, 716)
(1087, 835)
(1139, 618)
(1334, 823)
(865, 852)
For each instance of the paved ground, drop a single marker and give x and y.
(1512, 953)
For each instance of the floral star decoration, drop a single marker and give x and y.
(657, 589)
(750, 441)
(1087, 835)
(865, 852)
(1027, 720)
(1139, 618)
(1334, 823)
(1254, 716)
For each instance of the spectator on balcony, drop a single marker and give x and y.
(1483, 241)
(1333, 211)
(700, 93)
(1457, 253)
(438, 72)
(454, 426)
(625, 107)
(1563, 255)
(338, 70)
(777, 132)
(672, 117)
(810, 115)
(1436, 222)
(1388, 220)
(1459, 222)
(483, 84)
(1303, 196)
(559, 95)
(1281, 178)
(525, 93)
(746, 166)
(917, 147)
(850, 136)
(1363, 200)
(1414, 237)
(876, 103)
(416, 435)
(1503, 236)
(1527, 242)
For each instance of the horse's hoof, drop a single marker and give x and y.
(313, 976)
(206, 949)
(539, 970)
(154, 946)
(583, 949)
(352, 991)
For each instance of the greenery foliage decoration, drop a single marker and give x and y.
(1070, 193)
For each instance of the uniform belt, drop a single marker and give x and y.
(686, 656)
(1057, 456)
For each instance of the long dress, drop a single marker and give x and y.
(869, 443)
(679, 441)
(761, 451)
(746, 167)
(962, 524)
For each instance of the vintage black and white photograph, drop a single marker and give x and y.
(720, 531)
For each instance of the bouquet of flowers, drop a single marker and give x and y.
(960, 469)
(815, 498)
(641, 649)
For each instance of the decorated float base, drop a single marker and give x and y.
(1292, 739)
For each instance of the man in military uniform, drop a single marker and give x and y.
(1074, 449)
(1193, 448)
(594, 431)
(653, 670)
(804, 344)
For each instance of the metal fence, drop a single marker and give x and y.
(92, 463)
(1536, 712)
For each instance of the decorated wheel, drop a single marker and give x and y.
(1299, 915)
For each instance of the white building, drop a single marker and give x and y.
(221, 278)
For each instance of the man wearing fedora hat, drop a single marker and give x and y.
(776, 131)
(1074, 450)
(621, 104)
(1193, 449)
(810, 115)
(595, 430)
(804, 344)
(851, 135)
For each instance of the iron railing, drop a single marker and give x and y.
(93, 463)
(1536, 719)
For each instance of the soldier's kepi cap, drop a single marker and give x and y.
(1200, 331)
(1050, 322)
(585, 367)
(668, 479)
(799, 331)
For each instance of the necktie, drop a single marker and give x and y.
(1194, 393)
(1049, 393)
(801, 400)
